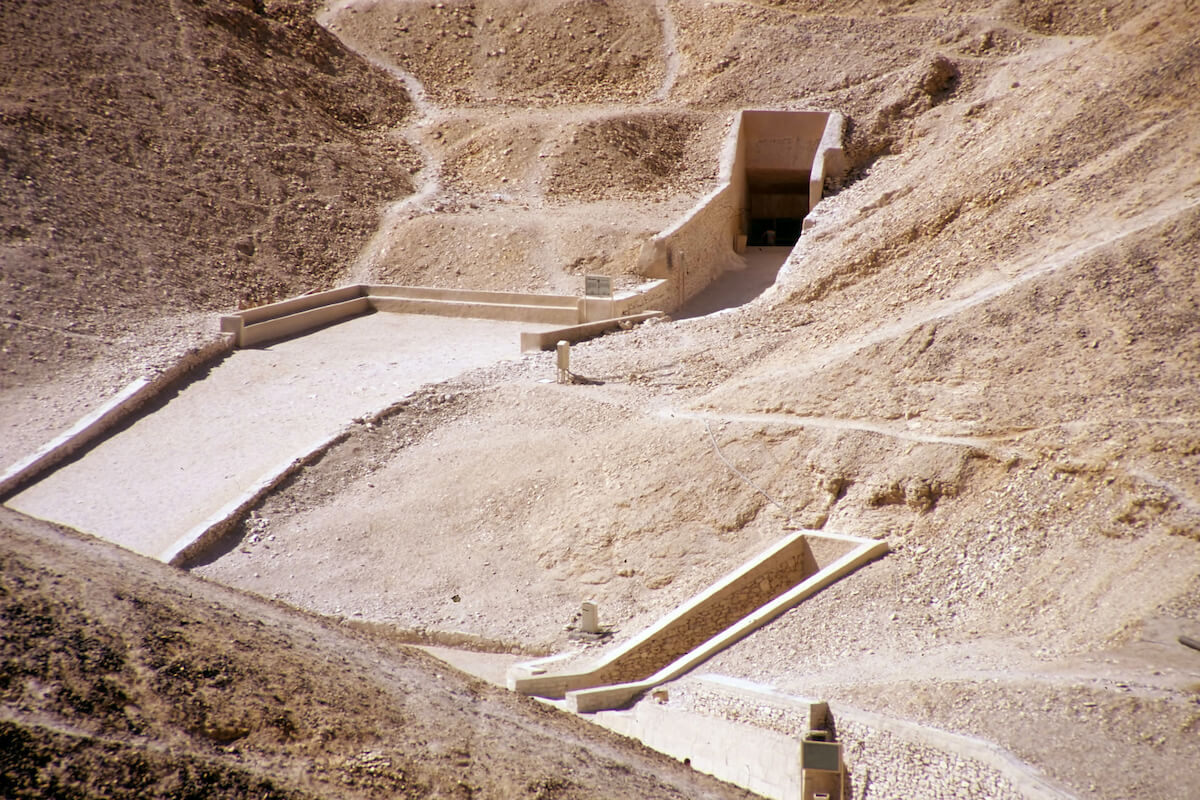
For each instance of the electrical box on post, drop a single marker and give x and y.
(822, 774)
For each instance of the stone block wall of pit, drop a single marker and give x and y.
(757, 587)
(884, 766)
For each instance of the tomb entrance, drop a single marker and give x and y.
(780, 151)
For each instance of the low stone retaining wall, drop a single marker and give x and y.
(546, 340)
(196, 541)
(679, 262)
(761, 760)
(741, 732)
(752, 587)
(298, 315)
(506, 306)
(750, 734)
(698, 249)
(706, 242)
(294, 316)
(830, 160)
(655, 294)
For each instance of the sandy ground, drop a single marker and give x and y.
(491, 667)
(955, 359)
(251, 416)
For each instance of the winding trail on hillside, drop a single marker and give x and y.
(670, 51)
(438, 191)
(428, 177)
(1024, 273)
(836, 424)
(1001, 447)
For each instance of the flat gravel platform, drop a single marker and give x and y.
(171, 469)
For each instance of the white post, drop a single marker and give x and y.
(564, 361)
(589, 621)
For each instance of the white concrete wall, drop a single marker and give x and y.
(298, 315)
(609, 684)
(697, 249)
(703, 245)
(765, 762)
(885, 758)
(785, 141)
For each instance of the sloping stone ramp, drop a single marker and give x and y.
(796, 567)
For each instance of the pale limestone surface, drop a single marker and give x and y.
(251, 415)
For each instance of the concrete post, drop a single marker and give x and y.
(563, 351)
(590, 619)
(233, 323)
(822, 771)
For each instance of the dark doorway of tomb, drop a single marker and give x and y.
(778, 203)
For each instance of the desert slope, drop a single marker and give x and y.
(122, 678)
(984, 350)
(161, 161)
